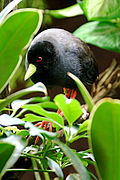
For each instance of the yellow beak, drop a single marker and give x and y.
(30, 71)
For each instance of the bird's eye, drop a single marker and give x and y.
(39, 59)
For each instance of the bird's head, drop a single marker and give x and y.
(40, 57)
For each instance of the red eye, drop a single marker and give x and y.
(39, 59)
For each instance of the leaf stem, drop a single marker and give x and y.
(36, 174)
(30, 170)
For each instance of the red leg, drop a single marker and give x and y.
(70, 93)
(45, 125)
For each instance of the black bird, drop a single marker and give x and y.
(53, 53)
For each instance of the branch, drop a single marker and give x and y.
(108, 83)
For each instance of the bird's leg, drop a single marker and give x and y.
(71, 94)
(45, 125)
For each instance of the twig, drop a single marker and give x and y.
(108, 83)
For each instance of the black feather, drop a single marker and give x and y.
(61, 52)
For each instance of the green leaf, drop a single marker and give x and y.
(22, 133)
(49, 105)
(16, 32)
(8, 8)
(101, 9)
(6, 120)
(6, 151)
(10, 150)
(70, 11)
(70, 108)
(84, 126)
(39, 87)
(102, 34)
(71, 132)
(76, 162)
(34, 118)
(55, 167)
(20, 102)
(85, 94)
(52, 117)
(105, 138)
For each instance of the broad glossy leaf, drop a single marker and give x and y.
(6, 120)
(76, 162)
(15, 33)
(8, 8)
(101, 9)
(70, 107)
(39, 87)
(70, 11)
(85, 94)
(10, 150)
(34, 118)
(55, 167)
(50, 115)
(105, 138)
(102, 34)
(20, 102)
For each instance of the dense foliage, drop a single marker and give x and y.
(17, 125)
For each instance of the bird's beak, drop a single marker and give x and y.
(30, 71)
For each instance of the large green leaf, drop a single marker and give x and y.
(101, 9)
(70, 11)
(50, 116)
(70, 107)
(102, 34)
(10, 150)
(15, 34)
(105, 138)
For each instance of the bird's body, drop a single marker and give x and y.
(55, 52)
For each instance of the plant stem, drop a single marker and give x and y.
(31, 170)
(46, 173)
(34, 164)
(30, 156)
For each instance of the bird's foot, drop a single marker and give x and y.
(70, 93)
(45, 125)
